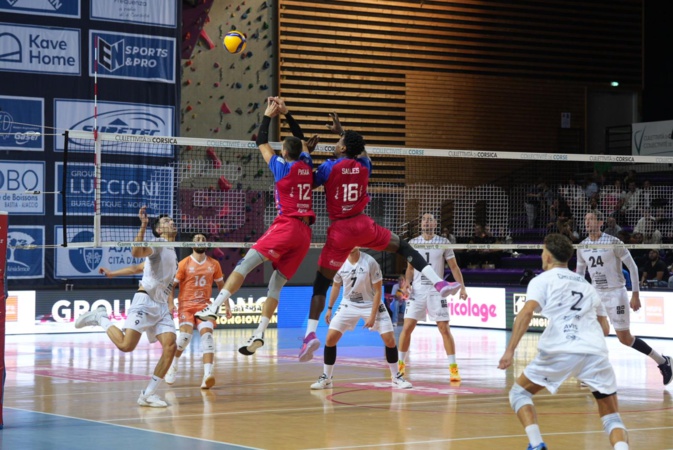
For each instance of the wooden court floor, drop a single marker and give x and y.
(76, 391)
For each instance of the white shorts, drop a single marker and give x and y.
(147, 316)
(617, 306)
(552, 369)
(348, 314)
(430, 301)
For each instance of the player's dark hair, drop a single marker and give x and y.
(294, 146)
(155, 225)
(354, 142)
(560, 247)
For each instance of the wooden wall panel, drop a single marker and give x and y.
(491, 75)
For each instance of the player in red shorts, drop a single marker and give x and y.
(288, 239)
(346, 179)
(195, 276)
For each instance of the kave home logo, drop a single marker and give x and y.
(39, 49)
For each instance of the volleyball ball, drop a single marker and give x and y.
(234, 41)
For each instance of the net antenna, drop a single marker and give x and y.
(97, 155)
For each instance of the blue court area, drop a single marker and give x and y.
(27, 430)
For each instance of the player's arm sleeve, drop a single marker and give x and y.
(337, 278)
(320, 175)
(375, 272)
(536, 291)
(631, 266)
(581, 268)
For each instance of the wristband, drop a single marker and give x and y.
(329, 307)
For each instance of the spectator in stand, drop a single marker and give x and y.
(483, 258)
(593, 203)
(628, 208)
(400, 294)
(612, 197)
(639, 254)
(624, 236)
(566, 228)
(591, 188)
(647, 225)
(653, 271)
(630, 177)
(572, 193)
(532, 203)
(558, 211)
(611, 227)
(447, 234)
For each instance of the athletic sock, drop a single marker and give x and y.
(534, 436)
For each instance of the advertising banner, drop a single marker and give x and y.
(124, 189)
(484, 308)
(125, 119)
(25, 263)
(160, 14)
(21, 123)
(86, 262)
(51, 50)
(17, 178)
(652, 138)
(132, 56)
(54, 8)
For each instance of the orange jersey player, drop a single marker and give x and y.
(195, 276)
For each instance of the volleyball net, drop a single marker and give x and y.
(223, 189)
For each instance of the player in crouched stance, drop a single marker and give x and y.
(360, 275)
(572, 345)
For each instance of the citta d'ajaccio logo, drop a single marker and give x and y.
(85, 260)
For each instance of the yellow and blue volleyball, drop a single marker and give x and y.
(234, 41)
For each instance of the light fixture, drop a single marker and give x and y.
(614, 83)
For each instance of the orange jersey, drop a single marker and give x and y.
(196, 281)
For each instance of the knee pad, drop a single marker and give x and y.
(519, 397)
(207, 325)
(276, 283)
(183, 341)
(251, 260)
(207, 343)
(612, 422)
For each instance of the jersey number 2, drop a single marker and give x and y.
(574, 307)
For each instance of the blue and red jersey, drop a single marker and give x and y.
(345, 181)
(294, 186)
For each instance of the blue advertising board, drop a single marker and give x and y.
(21, 123)
(132, 56)
(124, 189)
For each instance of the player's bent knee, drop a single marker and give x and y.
(251, 260)
(519, 397)
(276, 283)
(183, 341)
(612, 422)
(207, 343)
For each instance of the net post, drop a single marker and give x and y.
(4, 222)
(64, 187)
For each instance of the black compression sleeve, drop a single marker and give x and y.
(263, 134)
(294, 126)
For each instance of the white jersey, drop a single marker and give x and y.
(604, 264)
(570, 303)
(159, 272)
(434, 257)
(358, 279)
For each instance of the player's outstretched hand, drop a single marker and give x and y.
(282, 108)
(312, 143)
(335, 126)
(105, 271)
(272, 108)
(142, 214)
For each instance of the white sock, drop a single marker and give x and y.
(207, 368)
(403, 356)
(393, 369)
(657, 357)
(621, 445)
(105, 323)
(311, 327)
(451, 358)
(328, 370)
(221, 297)
(430, 274)
(263, 323)
(153, 385)
(534, 436)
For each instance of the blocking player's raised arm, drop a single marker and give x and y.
(263, 133)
